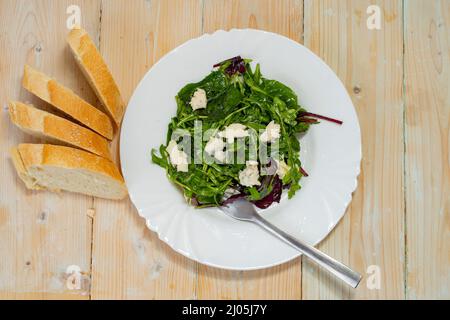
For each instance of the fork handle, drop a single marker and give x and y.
(340, 270)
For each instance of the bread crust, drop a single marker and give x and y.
(21, 171)
(67, 101)
(97, 72)
(39, 122)
(39, 155)
(66, 157)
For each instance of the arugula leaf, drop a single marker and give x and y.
(275, 88)
(214, 84)
(225, 104)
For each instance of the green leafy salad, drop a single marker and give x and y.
(235, 134)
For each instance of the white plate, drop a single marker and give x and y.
(330, 153)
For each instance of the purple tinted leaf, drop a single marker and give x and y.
(303, 172)
(264, 203)
(237, 64)
(241, 66)
(194, 202)
(265, 183)
(318, 116)
(307, 120)
(274, 196)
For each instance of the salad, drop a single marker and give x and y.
(235, 134)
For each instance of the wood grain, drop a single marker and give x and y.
(129, 261)
(398, 78)
(369, 62)
(427, 84)
(41, 233)
(282, 282)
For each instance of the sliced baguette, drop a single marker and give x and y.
(56, 129)
(67, 101)
(96, 72)
(55, 168)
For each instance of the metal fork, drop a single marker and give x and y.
(243, 210)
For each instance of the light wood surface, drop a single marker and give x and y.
(398, 221)
(41, 234)
(427, 171)
(369, 62)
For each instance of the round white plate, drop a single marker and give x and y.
(330, 153)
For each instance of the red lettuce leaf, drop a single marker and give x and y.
(318, 116)
(273, 196)
(237, 64)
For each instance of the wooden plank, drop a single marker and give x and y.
(283, 17)
(129, 261)
(369, 62)
(282, 282)
(41, 233)
(427, 79)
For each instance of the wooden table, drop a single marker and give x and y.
(396, 230)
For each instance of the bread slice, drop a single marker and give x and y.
(55, 168)
(56, 129)
(96, 72)
(67, 101)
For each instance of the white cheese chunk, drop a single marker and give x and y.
(178, 158)
(220, 155)
(198, 100)
(230, 192)
(282, 168)
(250, 175)
(214, 147)
(271, 133)
(234, 130)
(214, 144)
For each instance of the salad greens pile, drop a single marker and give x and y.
(236, 94)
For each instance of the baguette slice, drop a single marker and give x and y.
(55, 168)
(56, 129)
(67, 101)
(96, 72)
